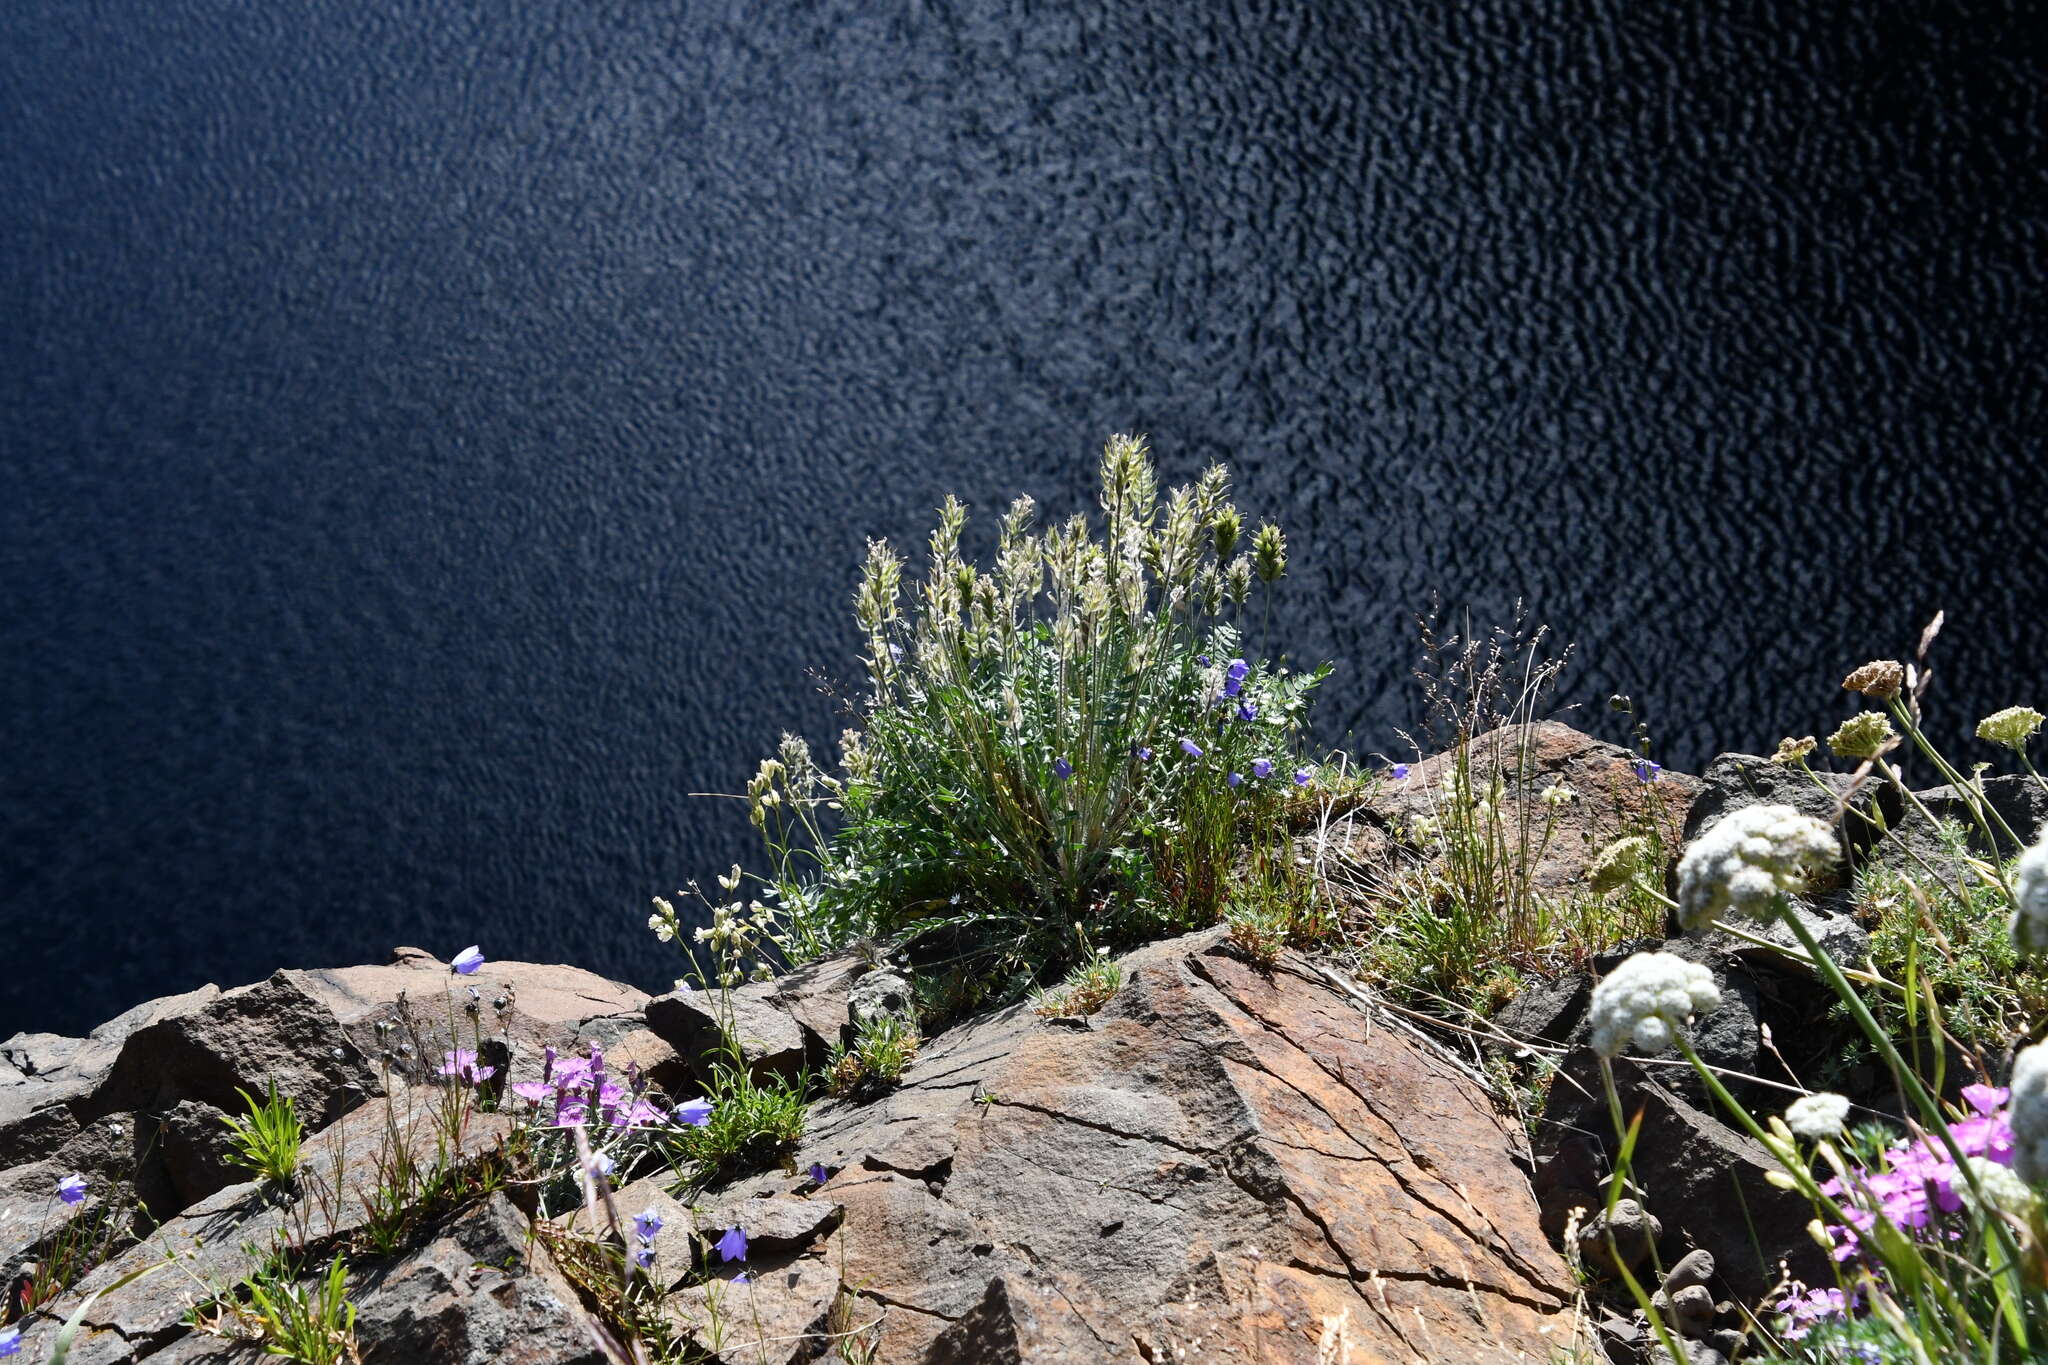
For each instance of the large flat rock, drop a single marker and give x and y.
(1222, 1156)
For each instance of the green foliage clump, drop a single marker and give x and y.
(753, 1123)
(1067, 737)
(267, 1139)
(1947, 935)
(312, 1322)
(1084, 990)
(883, 1047)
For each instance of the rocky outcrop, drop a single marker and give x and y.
(1701, 1180)
(1613, 796)
(783, 1026)
(136, 1108)
(481, 1292)
(1220, 1155)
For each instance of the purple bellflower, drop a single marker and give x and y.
(10, 1341)
(819, 1174)
(694, 1113)
(643, 1256)
(468, 960)
(1062, 769)
(1262, 767)
(1302, 777)
(1399, 772)
(1646, 771)
(1235, 779)
(733, 1246)
(71, 1189)
(1190, 748)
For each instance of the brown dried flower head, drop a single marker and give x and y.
(1793, 750)
(1880, 678)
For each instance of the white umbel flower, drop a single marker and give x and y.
(1814, 1117)
(2002, 1187)
(1646, 999)
(1742, 861)
(2030, 921)
(2029, 1113)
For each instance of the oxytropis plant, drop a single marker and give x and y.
(1077, 734)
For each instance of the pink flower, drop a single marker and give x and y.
(462, 1062)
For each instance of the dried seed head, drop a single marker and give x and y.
(945, 540)
(1129, 491)
(1617, 865)
(854, 756)
(1880, 678)
(1793, 750)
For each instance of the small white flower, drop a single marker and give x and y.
(663, 930)
(2029, 1112)
(2030, 921)
(1645, 1000)
(1744, 860)
(731, 880)
(2003, 1189)
(1558, 795)
(1814, 1117)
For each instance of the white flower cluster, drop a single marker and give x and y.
(1742, 861)
(2003, 1189)
(2030, 920)
(1814, 1117)
(1645, 1000)
(2029, 1113)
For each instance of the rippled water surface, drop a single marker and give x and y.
(436, 437)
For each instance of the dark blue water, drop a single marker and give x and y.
(435, 437)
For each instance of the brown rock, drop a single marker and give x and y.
(519, 1009)
(1016, 1322)
(481, 1293)
(1704, 1179)
(690, 1022)
(1612, 800)
(675, 1245)
(772, 1317)
(43, 1074)
(341, 1171)
(784, 1025)
(1227, 1155)
(241, 1040)
(774, 1225)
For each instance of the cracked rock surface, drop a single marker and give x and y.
(1223, 1163)
(1224, 1157)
